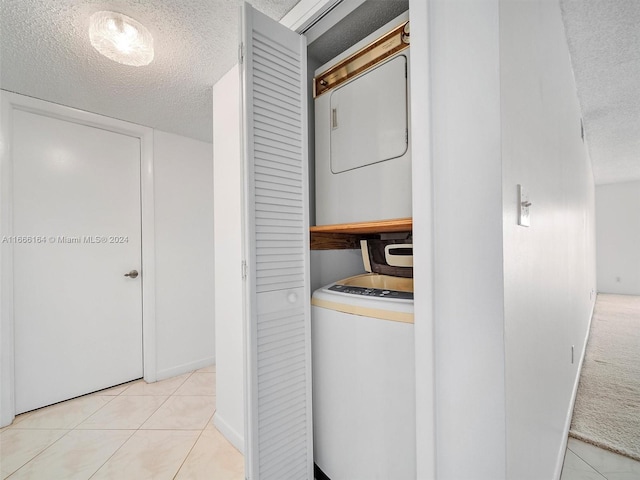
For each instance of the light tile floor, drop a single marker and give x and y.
(583, 461)
(134, 431)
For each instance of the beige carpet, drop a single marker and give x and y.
(607, 410)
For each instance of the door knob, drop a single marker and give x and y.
(132, 274)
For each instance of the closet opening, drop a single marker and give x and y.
(361, 267)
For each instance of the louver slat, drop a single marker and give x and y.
(280, 436)
(265, 152)
(274, 170)
(293, 418)
(282, 132)
(265, 89)
(274, 222)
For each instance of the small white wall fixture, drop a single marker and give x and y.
(10, 102)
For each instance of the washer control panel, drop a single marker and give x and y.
(372, 292)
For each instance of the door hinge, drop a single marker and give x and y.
(241, 53)
(244, 270)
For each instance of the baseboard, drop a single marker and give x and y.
(229, 433)
(184, 368)
(574, 393)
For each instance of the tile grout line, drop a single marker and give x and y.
(40, 452)
(75, 426)
(165, 401)
(141, 424)
(606, 452)
(14, 425)
(197, 439)
(111, 456)
(114, 396)
(69, 430)
(594, 468)
(194, 445)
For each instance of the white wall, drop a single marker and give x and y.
(549, 267)
(468, 291)
(228, 244)
(618, 238)
(509, 301)
(183, 170)
(331, 265)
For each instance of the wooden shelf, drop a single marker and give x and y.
(348, 235)
(382, 226)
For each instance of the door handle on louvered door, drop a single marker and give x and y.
(132, 274)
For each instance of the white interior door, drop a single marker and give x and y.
(279, 430)
(77, 227)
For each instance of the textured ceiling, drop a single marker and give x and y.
(604, 42)
(365, 19)
(45, 53)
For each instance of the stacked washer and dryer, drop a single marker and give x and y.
(362, 326)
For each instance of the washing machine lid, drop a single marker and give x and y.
(369, 295)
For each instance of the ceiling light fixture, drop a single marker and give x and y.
(121, 38)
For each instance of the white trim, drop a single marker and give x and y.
(184, 368)
(574, 394)
(250, 414)
(422, 188)
(229, 433)
(320, 26)
(8, 102)
(147, 206)
(306, 12)
(7, 398)
(307, 250)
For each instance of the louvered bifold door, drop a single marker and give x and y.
(279, 419)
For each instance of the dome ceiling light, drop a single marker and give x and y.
(121, 38)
